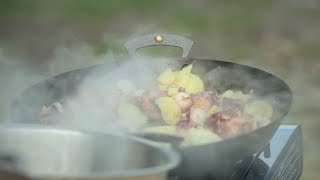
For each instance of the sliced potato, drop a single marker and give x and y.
(214, 109)
(170, 110)
(197, 136)
(259, 109)
(167, 77)
(132, 114)
(162, 129)
(183, 76)
(172, 91)
(162, 87)
(194, 84)
(235, 95)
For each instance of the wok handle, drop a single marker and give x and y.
(159, 40)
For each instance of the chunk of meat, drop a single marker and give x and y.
(154, 94)
(198, 115)
(232, 127)
(229, 104)
(45, 115)
(233, 113)
(184, 126)
(228, 127)
(185, 116)
(147, 105)
(50, 114)
(182, 89)
(184, 101)
(205, 100)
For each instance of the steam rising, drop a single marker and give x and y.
(91, 106)
(97, 110)
(15, 75)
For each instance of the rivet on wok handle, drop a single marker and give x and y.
(159, 40)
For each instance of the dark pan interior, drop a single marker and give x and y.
(218, 75)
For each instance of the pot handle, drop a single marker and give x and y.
(159, 40)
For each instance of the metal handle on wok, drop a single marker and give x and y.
(159, 40)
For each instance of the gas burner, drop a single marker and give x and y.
(281, 159)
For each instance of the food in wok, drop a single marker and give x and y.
(179, 106)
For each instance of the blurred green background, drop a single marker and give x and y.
(40, 38)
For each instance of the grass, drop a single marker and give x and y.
(95, 11)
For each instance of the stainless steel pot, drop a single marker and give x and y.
(55, 153)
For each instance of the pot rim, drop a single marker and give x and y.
(173, 156)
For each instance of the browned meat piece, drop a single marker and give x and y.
(184, 101)
(198, 115)
(182, 89)
(147, 105)
(154, 94)
(45, 115)
(184, 126)
(233, 113)
(232, 104)
(214, 121)
(49, 115)
(233, 107)
(228, 127)
(185, 116)
(205, 100)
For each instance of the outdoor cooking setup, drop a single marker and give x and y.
(271, 151)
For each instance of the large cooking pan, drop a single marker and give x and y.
(198, 161)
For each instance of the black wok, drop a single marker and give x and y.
(198, 161)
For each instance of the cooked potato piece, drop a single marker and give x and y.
(214, 109)
(197, 136)
(132, 114)
(167, 77)
(172, 91)
(235, 95)
(198, 115)
(170, 110)
(194, 84)
(162, 87)
(190, 82)
(183, 76)
(260, 110)
(162, 129)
